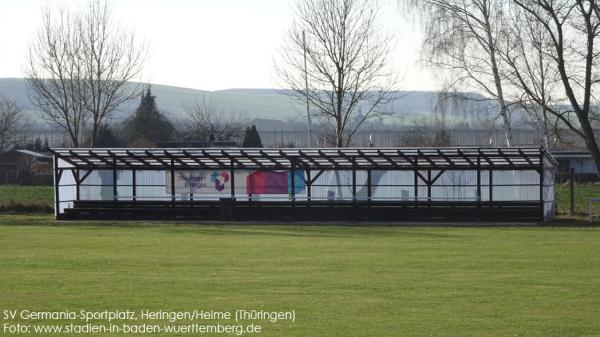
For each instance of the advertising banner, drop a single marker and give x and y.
(219, 182)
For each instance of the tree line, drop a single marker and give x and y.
(203, 126)
(535, 57)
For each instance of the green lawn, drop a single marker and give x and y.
(341, 281)
(26, 198)
(582, 193)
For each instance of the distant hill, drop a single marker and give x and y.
(268, 106)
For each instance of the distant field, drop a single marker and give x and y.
(26, 198)
(41, 199)
(582, 193)
(341, 281)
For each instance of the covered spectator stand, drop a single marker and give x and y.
(390, 184)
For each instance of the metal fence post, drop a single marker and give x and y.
(293, 186)
(76, 175)
(114, 182)
(369, 186)
(354, 188)
(478, 192)
(542, 203)
(232, 201)
(56, 188)
(572, 191)
(133, 186)
(308, 186)
(173, 187)
(232, 178)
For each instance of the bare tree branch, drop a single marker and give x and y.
(205, 121)
(462, 38)
(572, 28)
(11, 122)
(79, 67)
(347, 60)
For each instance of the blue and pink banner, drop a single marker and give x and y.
(272, 182)
(219, 182)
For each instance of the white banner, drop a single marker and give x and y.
(202, 181)
(250, 182)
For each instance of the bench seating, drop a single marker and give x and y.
(330, 210)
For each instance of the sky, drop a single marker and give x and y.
(208, 44)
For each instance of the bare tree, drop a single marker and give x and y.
(11, 120)
(113, 58)
(461, 37)
(78, 68)
(206, 121)
(533, 77)
(55, 74)
(346, 64)
(572, 29)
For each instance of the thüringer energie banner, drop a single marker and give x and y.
(219, 182)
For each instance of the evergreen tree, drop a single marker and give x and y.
(257, 141)
(246, 141)
(148, 126)
(107, 137)
(38, 144)
(252, 138)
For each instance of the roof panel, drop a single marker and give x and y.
(328, 158)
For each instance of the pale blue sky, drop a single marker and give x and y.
(206, 44)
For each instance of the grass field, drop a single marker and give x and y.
(26, 198)
(582, 193)
(341, 281)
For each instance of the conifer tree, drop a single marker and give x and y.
(252, 138)
(148, 125)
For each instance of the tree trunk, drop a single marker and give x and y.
(74, 138)
(506, 121)
(498, 83)
(545, 121)
(590, 143)
(93, 137)
(581, 113)
(339, 141)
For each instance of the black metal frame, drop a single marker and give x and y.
(315, 159)
(416, 160)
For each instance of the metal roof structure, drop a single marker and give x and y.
(34, 154)
(305, 158)
(571, 154)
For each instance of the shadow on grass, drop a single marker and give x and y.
(348, 230)
(291, 229)
(320, 231)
